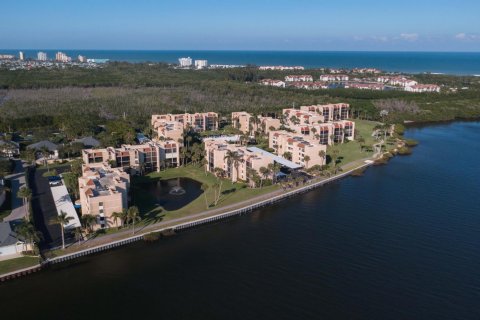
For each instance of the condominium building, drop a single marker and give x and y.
(21, 56)
(103, 191)
(217, 157)
(41, 56)
(423, 88)
(151, 156)
(303, 77)
(273, 83)
(62, 57)
(330, 112)
(168, 129)
(246, 122)
(185, 62)
(201, 64)
(334, 77)
(205, 121)
(82, 59)
(294, 117)
(327, 133)
(297, 148)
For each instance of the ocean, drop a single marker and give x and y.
(400, 242)
(458, 63)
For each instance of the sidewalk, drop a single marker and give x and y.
(105, 239)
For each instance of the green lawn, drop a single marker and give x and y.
(236, 192)
(351, 151)
(7, 266)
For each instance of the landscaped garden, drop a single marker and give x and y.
(212, 193)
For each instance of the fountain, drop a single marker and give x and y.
(177, 191)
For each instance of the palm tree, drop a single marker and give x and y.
(78, 234)
(133, 216)
(235, 158)
(118, 216)
(88, 221)
(25, 193)
(322, 154)
(265, 173)
(28, 232)
(306, 159)
(204, 188)
(287, 155)
(62, 219)
(275, 168)
(334, 156)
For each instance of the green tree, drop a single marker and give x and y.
(133, 215)
(62, 219)
(234, 158)
(25, 194)
(88, 222)
(204, 188)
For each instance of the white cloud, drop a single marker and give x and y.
(466, 36)
(409, 36)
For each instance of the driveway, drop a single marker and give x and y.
(17, 180)
(44, 209)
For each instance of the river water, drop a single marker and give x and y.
(401, 242)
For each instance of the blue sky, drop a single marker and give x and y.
(421, 25)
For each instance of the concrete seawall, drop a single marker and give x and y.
(183, 226)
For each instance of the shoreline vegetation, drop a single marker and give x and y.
(62, 105)
(149, 227)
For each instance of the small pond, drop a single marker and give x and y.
(173, 194)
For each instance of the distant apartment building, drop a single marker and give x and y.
(201, 64)
(327, 133)
(217, 157)
(297, 78)
(330, 112)
(423, 88)
(293, 117)
(21, 56)
(247, 123)
(366, 86)
(41, 56)
(200, 121)
(273, 83)
(151, 156)
(185, 62)
(281, 68)
(62, 57)
(334, 77)
(7, 57)
(402, 82)
(315, 85)
(300, 149)
(82, 59)
(103, 191)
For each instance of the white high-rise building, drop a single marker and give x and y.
(62, 57)
(200, 64)
(185, 62)
(82, 58)
(21, 56)
(41, 56)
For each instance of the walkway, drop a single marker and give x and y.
(105, 239)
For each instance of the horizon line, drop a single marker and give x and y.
(247, 50)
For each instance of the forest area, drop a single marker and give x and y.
(76, 101)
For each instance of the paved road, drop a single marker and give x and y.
(44, 209)
(17, 180)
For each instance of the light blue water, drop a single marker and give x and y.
(461, 63)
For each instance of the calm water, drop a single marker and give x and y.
(160, 190)
(401, 242)
(413, 62)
